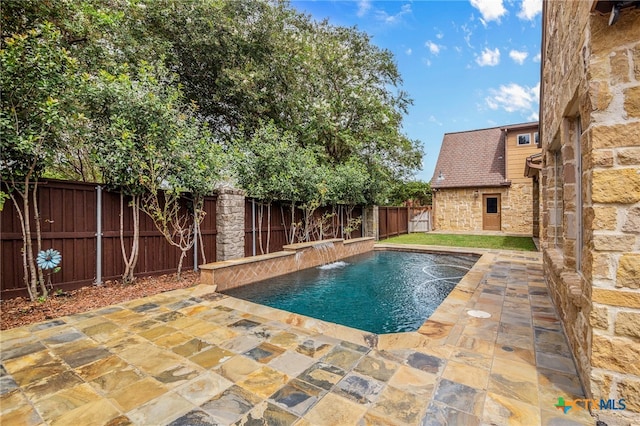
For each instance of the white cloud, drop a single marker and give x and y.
(427, 62)
(408, 51)
(489, 57)
(537, 58)
(491, 10)
(433, 119)
(363, 7)
(440, 36)
(518, 56)
(393, 19)
(530, 8)
(516, 98)
(467, 34)
(433, 47)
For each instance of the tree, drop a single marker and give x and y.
(151, 148)
(416, 191)
(272, 166)
(347, 189)
(246, 63)
(37, 81)
(188, 167)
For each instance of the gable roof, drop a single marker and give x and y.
(471, 159)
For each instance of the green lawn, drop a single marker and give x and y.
(456, 240)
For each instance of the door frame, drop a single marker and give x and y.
(484, 211)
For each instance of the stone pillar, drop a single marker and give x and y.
(536, 206)
(229, 224)
(371, 222)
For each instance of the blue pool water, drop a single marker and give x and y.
(379, 292)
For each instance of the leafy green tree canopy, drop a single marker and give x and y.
(418, 192)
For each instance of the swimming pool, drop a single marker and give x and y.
(380, 291)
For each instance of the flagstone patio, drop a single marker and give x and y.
(196, 357)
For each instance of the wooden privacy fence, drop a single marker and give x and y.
(420, 219)
(394, 221)
(281, 220)
(70, 224)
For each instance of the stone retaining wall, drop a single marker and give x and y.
(235, 273)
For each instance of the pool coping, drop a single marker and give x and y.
(433, 332)
(194, 355)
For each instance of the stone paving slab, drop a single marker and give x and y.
(195, 357)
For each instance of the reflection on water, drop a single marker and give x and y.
(379, 292)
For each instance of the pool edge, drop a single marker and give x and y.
(435, 331)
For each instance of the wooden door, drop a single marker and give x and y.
(491, 212)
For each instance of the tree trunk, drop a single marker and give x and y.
(292, 228)
(28, 245)
(183, 254)
(36, 215)
(197, 220)
(25, 263)
(268, 224)
(198, 216)
(130, 260)
(136, 234)
(260, 215)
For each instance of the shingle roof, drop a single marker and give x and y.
(473, 158)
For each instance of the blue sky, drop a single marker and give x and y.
(466, 64)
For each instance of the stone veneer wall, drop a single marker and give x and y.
(457, 209)
(591, 77)
(371, 222)
(230, 224)
(535, 208)
(235, 273)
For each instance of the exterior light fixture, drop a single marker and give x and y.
(614, 8)
(476, 194)
(615, 14)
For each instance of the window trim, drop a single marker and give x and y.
(579, 201)
(528, 135)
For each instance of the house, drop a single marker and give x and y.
(479, 183)
(590, 179)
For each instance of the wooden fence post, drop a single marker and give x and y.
(98, 235)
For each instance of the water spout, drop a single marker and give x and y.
(327, 252)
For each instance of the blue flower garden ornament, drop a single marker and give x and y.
(48, 259)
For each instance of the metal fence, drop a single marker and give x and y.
(279, 217)
(88, 241)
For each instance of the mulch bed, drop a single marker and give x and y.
(21, 311)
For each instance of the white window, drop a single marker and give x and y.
(524, 139)
(536, 138)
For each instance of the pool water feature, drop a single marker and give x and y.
(379, 292)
